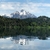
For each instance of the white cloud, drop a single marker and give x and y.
(30, 7)
(6, 6)
(47, 5)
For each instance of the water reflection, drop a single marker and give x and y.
(22, 42)
(36, 39)
(40, 33)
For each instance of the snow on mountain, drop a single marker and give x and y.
(22, 14)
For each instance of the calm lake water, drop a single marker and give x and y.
(22, 42)
(22, 39)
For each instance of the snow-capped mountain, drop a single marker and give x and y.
(22, 14)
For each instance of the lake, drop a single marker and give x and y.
(22, 42)
(19, 39)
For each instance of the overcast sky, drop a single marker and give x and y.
(36, 7)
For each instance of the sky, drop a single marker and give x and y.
(36, 7)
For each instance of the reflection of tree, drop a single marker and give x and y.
(41, 33)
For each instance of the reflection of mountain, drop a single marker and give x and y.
(22, 40)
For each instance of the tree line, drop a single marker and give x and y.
(41, 21)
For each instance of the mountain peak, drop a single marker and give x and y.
(22, 14)
(22, 10)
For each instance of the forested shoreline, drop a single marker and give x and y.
(39, 27)
(41, 21)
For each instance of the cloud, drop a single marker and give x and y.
(6, 6)
(46, 5)
(31, 7)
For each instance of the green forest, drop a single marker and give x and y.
(40, 22)
(39, 27)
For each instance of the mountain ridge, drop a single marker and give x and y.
(22, 14)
